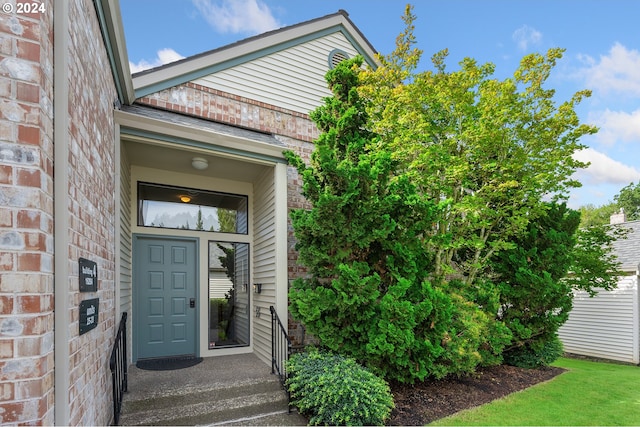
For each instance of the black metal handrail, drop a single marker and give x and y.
(118, 366)
(280, 351)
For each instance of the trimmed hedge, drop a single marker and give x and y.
(334, 390)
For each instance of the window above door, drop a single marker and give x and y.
(164, 206)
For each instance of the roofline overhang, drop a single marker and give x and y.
(194, 67)
(110, 19)
(159, 132)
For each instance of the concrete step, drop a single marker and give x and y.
(261, 401)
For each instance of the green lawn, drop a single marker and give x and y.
(590, 393)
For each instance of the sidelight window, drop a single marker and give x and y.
(228, 294)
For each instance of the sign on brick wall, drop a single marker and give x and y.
(89, 314)
(88, 275)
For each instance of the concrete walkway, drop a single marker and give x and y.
(224, 390)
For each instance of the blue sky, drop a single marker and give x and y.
(601, 38)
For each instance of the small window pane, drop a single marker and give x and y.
(229, 294)
(190, 209)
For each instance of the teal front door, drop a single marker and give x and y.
(165, 272)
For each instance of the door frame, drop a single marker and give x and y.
(136, 291)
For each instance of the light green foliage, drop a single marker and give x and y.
(334, 390)
(591, 215)
(629, 200)
(486, 150)
(227, 220)
(594, 263)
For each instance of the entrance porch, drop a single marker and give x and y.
(226, 390)
(212, 298)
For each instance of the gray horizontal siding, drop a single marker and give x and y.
(125, 280)
(606, 325)
(291, 79)
(264, 262)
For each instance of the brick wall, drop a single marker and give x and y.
(92, 213)
(201, 101)
(26, 217)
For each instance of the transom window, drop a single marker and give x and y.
(164, 206)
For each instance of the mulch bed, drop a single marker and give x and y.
(422, 403)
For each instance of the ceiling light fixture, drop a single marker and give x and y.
(185, 199)
(199, 163)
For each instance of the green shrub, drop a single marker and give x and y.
(217, 310)
(535, 354)
(334, 390)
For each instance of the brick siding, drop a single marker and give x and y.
(92, 213)
(204, 102)
(26, 218)
(26, 215)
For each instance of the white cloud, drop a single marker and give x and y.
(526, 36)
(616, 126)
(164, 56)
(604, 169)
(237, 16)
(618, 72)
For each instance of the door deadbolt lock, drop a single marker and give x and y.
(192, 303)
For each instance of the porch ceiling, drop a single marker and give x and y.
(179, 160)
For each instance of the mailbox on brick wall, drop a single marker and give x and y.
(88, 273)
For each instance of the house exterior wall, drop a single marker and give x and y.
(126, 245)
(91, 212)
(292, 78)
(28, 142)
(607, 325)
(294, 129)
(213, 104)
(264, 263)
(26, 217)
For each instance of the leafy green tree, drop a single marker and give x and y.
(629, 199)
(366, 295)
(426, 192)
(486, 150)
(594, 262)
(591, 215)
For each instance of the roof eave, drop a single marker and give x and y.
(136, 127)
(110, 19)
(197, 66)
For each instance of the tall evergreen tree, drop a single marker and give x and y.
(366, 295)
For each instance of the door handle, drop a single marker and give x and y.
(192, 303)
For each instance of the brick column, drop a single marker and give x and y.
(26, 217)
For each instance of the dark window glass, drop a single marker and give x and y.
(229, 293)
(165, 206)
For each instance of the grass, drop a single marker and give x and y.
(590, 393)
